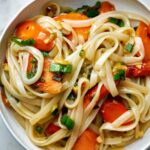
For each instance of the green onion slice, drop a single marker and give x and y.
(67, 121)
(23, 42)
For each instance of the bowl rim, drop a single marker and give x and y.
(31, 2)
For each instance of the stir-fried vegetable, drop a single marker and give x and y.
(31, 70)
(45, 54)
(87, 141)
(20, 42)
(88, 97)
(119, 75)
(67, 121)
(51, 129)
(59, 68)
(112, 109)
(44, 40)
(116, 21)
(106, 7)
(142, 70)
(129, 47)
(143, 31)
(84, 32)
(47, 84)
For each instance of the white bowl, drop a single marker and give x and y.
(33, 9)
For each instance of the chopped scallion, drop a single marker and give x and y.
(58, 68)
(92, 13)
(129, 47)
(57, 77)
(23, 42)
(67, 121)
(120, 75)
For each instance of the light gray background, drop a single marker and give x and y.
(8, 8)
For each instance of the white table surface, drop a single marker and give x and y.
(7, 10)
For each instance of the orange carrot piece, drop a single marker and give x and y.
(106, 7)
(143, 31)
(48, 84)
(87, 141)
(75, 16)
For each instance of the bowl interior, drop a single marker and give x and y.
(31, 10)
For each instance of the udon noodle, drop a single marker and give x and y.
(93, 63)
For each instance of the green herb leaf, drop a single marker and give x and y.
(129, 47)
(23, 42)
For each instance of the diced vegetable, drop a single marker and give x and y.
(106, 7)
(116, 21)
(45, 54)
(87, 99)
(44, 40)
(129, 47)
(84, 31)
(67, 121)
(58, 68)
(119, 75)
(112, 109)
(87, 141)
(49, 85)
(143, 31)
(82, 53)
(20, 42)
(39, 129)
(142, 70)
(51, 129)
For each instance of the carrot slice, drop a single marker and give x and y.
(143, 31)
(87, 141)
(30, 29)
(112, 109)
(47, 84)
(106, 7)
(75, 16)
